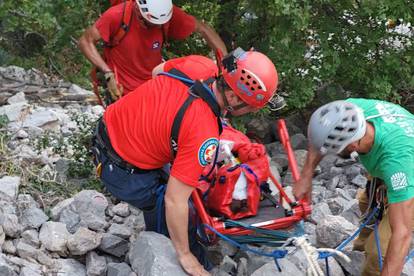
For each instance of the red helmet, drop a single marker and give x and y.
(251, 75)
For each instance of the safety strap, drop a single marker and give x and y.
(125, 24)
(197, 89)
(95, 85)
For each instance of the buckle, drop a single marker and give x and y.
(230, 61)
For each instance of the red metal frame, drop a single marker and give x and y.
(299, 211)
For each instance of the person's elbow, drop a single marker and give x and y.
(82, 42)
(89, 38)
(158, 69)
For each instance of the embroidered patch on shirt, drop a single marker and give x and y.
(207, 151)
(156, 45)
(398, 181)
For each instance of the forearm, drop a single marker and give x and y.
(312, 160)
(87, 46)
(213, 40)
(177, 222)
(396, 253)
(92, 54)
(400, 217)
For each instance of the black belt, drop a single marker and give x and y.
(103, 142)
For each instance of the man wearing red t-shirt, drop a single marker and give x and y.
(129, 63)
(135, 139)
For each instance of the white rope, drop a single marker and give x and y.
(336, 252)
(312, 254)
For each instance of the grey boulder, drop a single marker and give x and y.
(154, 254)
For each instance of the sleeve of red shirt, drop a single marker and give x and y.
(196, 145)
(182, 25)
(109, 22)
(194, 66)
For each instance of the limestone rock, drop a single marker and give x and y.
(119, 269)
(41, 118)
(9, 187)
(154, 254)
(121, 209)
(332, 230)
(320, 211)
(288, 269)
(17, 98)
(28, 271)
(228, 265)
(360, 181)
(113, 245)
(70, 267)
(83, 240)
(2, 236)
(120, 231)
(31, 237)
(26, 251)
(33, 218)
(353, 268)
(14, 112)
(11, 225)
(87, 209)
(5, 268)
(95, 264)
(9, 247)
(299, 141)
(54, 236)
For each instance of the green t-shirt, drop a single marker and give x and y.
(392, 155)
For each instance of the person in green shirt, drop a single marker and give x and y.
(382, 135)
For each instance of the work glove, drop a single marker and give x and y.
(114, 89)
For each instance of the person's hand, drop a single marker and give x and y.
(114, 89)
(302, 189)
(191, 265)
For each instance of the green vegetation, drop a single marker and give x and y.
(47, 182)
(323, 50)
(325, 46)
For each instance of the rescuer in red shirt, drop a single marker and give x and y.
(129, 62)
(136, 138)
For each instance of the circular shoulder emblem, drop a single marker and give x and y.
(207, 150)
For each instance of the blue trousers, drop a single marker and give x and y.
(141, 191)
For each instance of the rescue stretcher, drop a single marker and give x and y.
(270, 216)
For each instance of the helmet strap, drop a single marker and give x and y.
(222, 86)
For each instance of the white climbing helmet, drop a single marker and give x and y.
(156, 11)
(333, 126)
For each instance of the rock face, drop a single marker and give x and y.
(70, 267)
(91, 234)
(9, 187)
(288, 269)
(153, 254)
(95, 264)
(87, 209)
(114, 245)
(83, 240)
(332, 230)
(54, 237)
